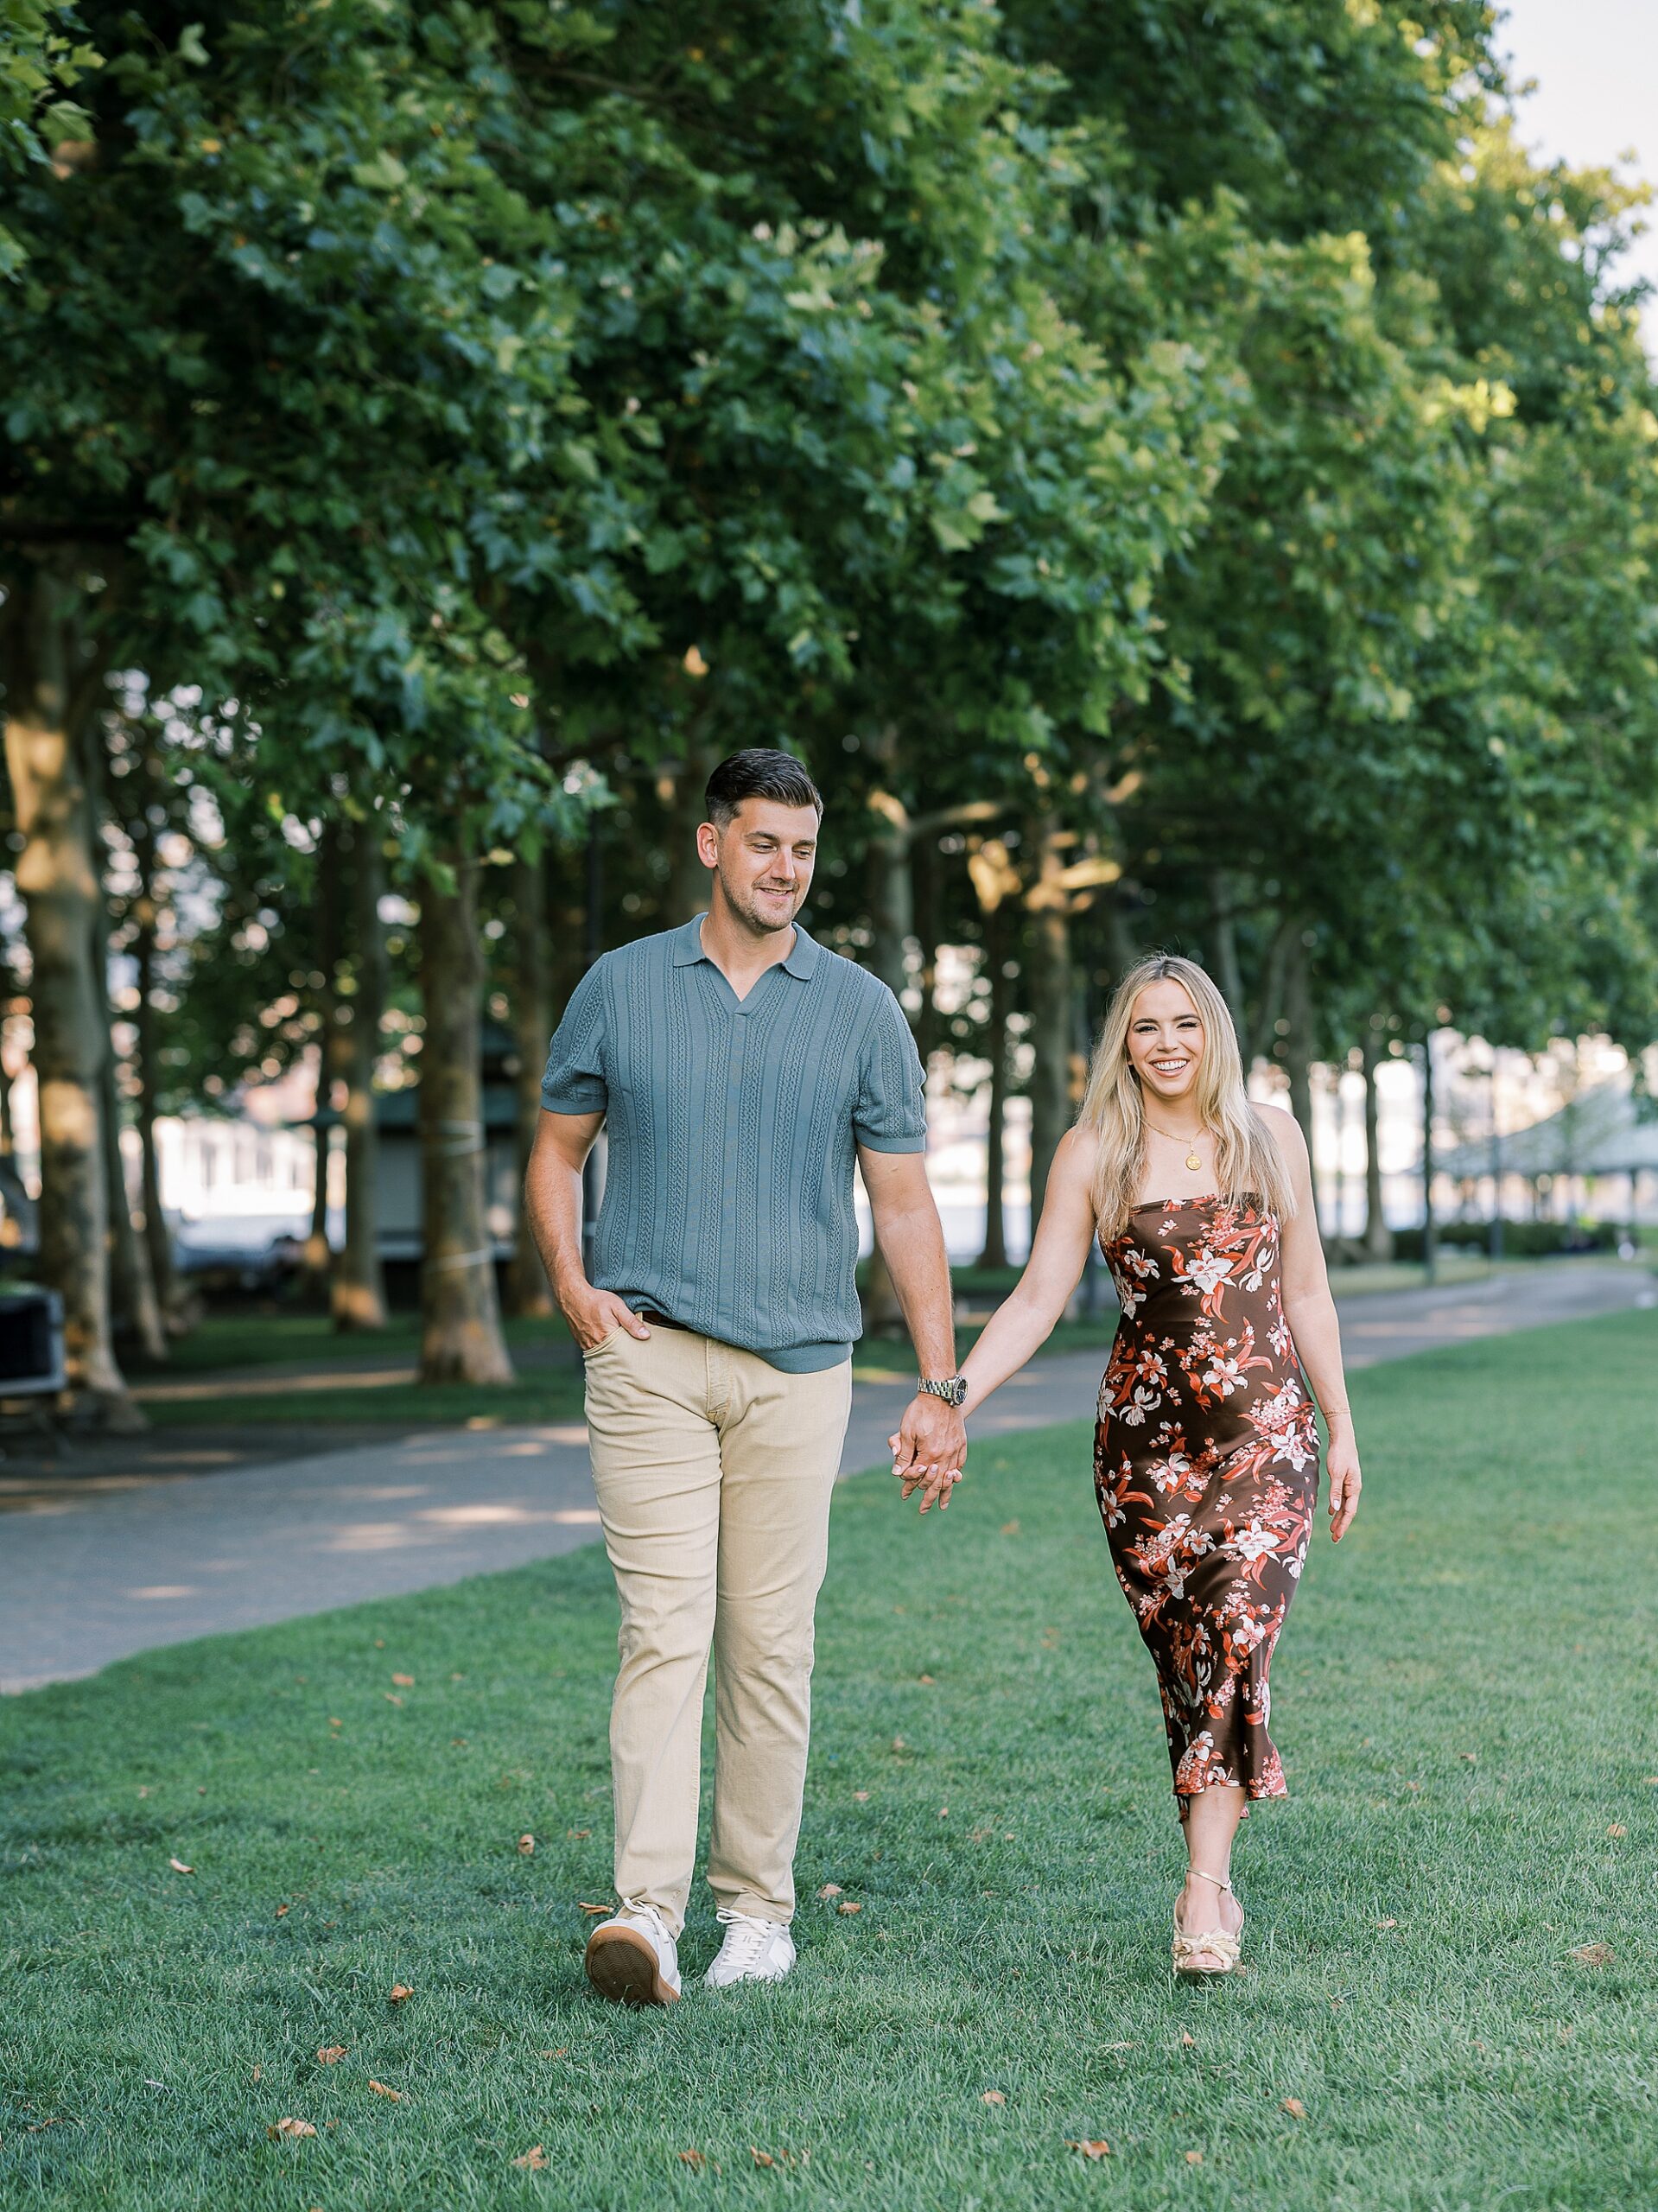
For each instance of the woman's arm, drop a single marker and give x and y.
(1311, 1312)
(1025, 1317)
(1058, 1255)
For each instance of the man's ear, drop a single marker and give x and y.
(708, 844)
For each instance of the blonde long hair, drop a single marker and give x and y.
(1247, 1159)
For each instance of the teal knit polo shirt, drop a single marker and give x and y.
(732, 1126)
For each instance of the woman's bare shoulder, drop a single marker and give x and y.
(1282, 1125)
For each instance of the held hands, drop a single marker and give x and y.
(1342, 1465)
(930, 1449)
(595, 1315)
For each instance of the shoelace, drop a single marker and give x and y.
(647, 1912)
(745, 1937)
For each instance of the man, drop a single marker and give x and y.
(740, 1066)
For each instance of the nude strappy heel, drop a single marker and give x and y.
(1214, 1942)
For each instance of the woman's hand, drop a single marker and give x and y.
(1342, 1465)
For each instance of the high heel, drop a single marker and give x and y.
(1214, 1942)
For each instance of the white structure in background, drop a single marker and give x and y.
(234, 1186)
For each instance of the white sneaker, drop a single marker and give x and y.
(755, 1950)
(632, 1960)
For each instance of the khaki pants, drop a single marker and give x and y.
(713, 1472)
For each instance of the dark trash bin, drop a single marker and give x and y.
(31, 1343)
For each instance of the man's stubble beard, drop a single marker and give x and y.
(747, 912)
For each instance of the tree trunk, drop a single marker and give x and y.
(158, 1244)
(135, 1311)
(460, 1320)
(1048, 973)
(892, 922)
(358, 1282)
(1228, 974)
(1430, 1239)
(1298, 1039)
(1378, 1237)
(688, 879)
(892, 906)
(994, 1254)
(317, 1264)
(527, 1288)
(59, 883)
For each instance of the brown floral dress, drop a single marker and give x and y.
(1206, 1468)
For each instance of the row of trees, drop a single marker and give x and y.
(1179, 474)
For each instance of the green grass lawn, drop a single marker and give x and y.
(1464, 1701)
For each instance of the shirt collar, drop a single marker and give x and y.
(687, 949)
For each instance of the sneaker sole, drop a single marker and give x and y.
(624, 1970)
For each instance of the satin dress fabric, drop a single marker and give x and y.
(1206, 1470)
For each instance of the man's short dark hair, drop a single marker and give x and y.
(759, 773)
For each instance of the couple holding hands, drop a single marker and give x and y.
(739, 1068)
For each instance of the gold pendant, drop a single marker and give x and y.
(1194, 1162)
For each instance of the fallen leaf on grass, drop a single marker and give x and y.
(1119, 2046)
(860, 1797)
(929, 1680)
(692, 2159)
(1593, 1954)
(849, 1905)
(534, 2160)
(1472, 1758)
(899, 1744)
(555, 2054)
(1010, 1528)
(1194, 2157)
(289, 2130)
(381, 2090)
(830, 1890)
(404, 1681)
(773, 2158)
(1387, 1924)
(591, 1909)
(577, 1835)
(331, 2054)
(527, 1845)
(1618, 1829)
(1097, 2149)
(1295, 2108)
(257, 2074)
(179, 1866)
(283, 1911)
(390, 1697)
(397, 1991)
(994, 2097)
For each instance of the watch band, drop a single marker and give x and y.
(951, 1388)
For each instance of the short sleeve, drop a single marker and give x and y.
(891, 1115)
(574, 1082)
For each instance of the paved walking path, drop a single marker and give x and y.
(87, 1576)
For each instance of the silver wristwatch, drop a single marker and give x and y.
(952, 1389)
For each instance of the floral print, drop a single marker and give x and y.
(1206, 1469)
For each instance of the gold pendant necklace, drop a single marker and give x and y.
(1194, 1158)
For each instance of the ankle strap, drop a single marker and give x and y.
(1202, 1877)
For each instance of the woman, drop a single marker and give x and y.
(1205, 1456)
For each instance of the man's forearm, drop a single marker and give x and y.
(912, 1244)
(552, 1192)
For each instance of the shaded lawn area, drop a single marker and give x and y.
(1463, 1700)
(548, 1387)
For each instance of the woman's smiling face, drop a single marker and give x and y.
(1165, 1041)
